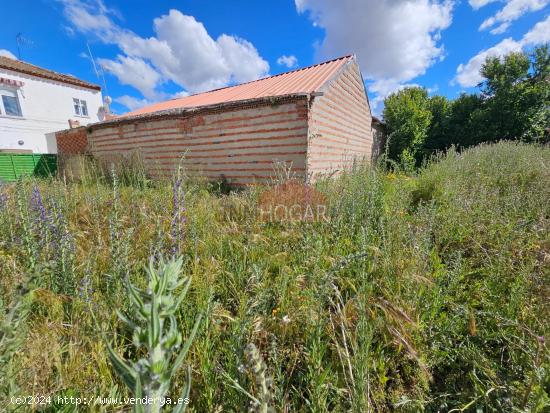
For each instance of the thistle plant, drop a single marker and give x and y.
(157, 243)
(64, 250)
(119, 238)
(3, 201)
(261, 401)
(12, 320)
(178, 218)
(6, 218)
(24, 221)
(115, 227)
(41, 222)
(9, 325)
(156, 336)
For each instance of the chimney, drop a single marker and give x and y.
(73, 124)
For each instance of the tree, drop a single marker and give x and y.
(438, 134)
(407, 116)
(454, 122)
(465, 122)
(513, 104)
(516, 92)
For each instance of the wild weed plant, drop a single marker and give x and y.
(155, 333)
(424, 291)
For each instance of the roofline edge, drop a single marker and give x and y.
(77, 82)
(170, 113)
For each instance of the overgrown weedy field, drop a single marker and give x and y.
(421, 292)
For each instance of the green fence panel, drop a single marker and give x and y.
(46, 165)
(12, 166)
(23, 165)
(7, 171)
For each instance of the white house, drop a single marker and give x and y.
(36, 102)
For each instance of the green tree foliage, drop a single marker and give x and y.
(408, 115)
(464, 122)
(517, 93)
(513, 104)
(440, 108)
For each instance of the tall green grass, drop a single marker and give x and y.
(423, 292)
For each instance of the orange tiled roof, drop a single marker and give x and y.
(27, 68)
(305, 80)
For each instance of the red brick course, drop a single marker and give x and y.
(72, 141)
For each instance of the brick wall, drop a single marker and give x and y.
(379, 140)
(239, 145)
(72, 141)
(339, 125)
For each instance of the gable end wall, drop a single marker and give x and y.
(339, 125)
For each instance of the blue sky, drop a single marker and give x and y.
(151, 51)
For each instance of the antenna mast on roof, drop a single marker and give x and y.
(106, 99)
(21, 41)
(97, 73)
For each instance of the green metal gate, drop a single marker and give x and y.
(14, 165)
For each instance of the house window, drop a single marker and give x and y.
(83, 108)
(80, 107)
(10, 103)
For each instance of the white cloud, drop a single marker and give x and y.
(288, 61)
(242, 59)
(90, 16)
(7, 53)
(468, 74)
(432, 90)
(135, 72)
(395, 40)
(382, 88)
(392, 39)
(476, 4)
(512, 10)
(539, 34)
(132, 103)
(181, 51)
(180, 94)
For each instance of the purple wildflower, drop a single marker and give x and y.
(55, 223)
(61, 237)
(85, 289)
(3, 200)
(64, 248)
(37, 206)
(42, 219)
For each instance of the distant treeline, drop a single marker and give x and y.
(513, 104)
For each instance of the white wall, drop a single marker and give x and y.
(46, 106)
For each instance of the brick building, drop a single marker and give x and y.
(316, 120)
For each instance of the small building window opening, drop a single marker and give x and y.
(80, 107)
(10, 103)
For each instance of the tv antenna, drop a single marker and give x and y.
(21, 41)
(99, 73)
